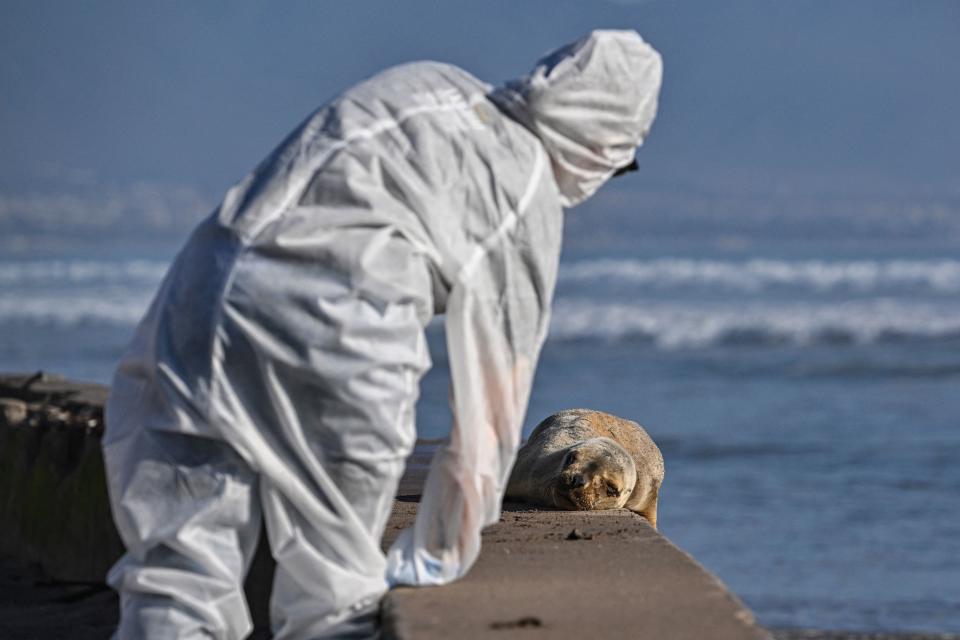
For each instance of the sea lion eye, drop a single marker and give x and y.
(613, 491)
(570, 459)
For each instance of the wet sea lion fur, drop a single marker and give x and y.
(579, 459)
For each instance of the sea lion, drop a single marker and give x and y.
(581, 460)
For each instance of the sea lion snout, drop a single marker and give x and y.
(584, 494)
(576, 480)
(575, 491)
(595, 474)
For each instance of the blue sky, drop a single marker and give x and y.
(859, 96)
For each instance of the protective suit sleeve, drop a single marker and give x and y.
(496, 323)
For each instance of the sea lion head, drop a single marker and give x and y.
(597, 473)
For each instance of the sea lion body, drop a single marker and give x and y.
(580, 459)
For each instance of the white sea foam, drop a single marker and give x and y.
(123, 307)
(667, 325)
(941, 276)
(34, 272)
(68, 292)
(673, 325)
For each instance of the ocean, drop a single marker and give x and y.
(804, 394)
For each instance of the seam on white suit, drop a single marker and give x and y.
(371, 131)
(244, 241)
(509, 222)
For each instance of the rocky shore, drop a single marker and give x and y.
(542, 574)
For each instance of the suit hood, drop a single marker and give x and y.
(591, 103)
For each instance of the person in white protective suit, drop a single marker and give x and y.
(276, 372)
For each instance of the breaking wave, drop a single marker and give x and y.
(80, 272)
(684, 325)
(71, 292)
(940, 276)
(65, 309)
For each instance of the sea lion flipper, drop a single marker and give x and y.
(650, 511)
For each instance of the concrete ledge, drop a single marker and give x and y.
(615, 577)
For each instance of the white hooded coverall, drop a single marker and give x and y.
(276, 372)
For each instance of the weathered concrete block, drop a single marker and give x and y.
(53, 492)
(53, 498)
